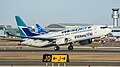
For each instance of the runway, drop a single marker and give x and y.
(71, 63)
(66, 51)
(35, 55)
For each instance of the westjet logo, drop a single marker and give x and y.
(84, 35)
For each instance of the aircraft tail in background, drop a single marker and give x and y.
(40, 29)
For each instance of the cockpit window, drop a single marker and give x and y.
(89, 27)
(103, 27)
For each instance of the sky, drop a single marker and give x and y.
(45, 12)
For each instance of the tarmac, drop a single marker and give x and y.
(40, 63)
(104, 53)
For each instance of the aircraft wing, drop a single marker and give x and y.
(12, 39)
(40, 38)
(31, 37)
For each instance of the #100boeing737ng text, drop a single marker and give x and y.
(83, 35)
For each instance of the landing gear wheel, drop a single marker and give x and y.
(70, 47)
(19, 44)
(57, 48)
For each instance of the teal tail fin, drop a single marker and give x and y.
(23, 29)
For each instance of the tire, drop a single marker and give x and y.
(70, 47)
(57, 48)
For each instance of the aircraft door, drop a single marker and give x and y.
(95, 31)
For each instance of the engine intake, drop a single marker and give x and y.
(62, 41)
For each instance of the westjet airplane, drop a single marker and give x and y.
(83, 35)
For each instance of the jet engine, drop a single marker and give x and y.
(27, 42)
(85, 42)
(62, 41)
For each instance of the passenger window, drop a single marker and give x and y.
(68, 30)
(73, 30)
(85, 27)
(81, 28)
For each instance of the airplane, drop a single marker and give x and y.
(3, 33)
(83, 35)
(40, 30)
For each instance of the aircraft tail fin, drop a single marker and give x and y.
(19, 21)
(9, 34)
(40, 29)
(23, 29)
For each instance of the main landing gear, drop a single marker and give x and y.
(57, 48)
(19, 46)
(70, 47)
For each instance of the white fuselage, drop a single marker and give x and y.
(73, 35)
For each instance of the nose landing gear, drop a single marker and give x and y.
(56, 48)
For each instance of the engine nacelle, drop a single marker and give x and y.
(27, 42)
(39, 43)
(62, 41)
(85, 42)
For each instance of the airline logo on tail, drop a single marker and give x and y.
(40, 30)
(23, 29)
